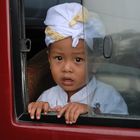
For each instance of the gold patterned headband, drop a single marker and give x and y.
(55, 35)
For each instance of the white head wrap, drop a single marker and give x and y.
(72, 19)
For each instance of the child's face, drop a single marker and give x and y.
(68, 65)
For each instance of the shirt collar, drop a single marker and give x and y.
(82, 94)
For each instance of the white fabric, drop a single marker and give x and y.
(59, 17)
(94, 93)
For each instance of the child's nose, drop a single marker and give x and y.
(67, 67)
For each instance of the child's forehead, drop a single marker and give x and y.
(63, 49)
(66, 45)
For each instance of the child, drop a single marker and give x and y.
(75, 93)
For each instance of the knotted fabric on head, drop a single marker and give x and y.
(72, 20)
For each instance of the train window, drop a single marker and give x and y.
(111, 48)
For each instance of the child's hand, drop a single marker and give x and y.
(72, 111)
(35, 109)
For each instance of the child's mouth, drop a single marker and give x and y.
(67, 81)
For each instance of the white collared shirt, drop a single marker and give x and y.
(95, 92)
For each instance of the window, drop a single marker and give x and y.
(115, 58)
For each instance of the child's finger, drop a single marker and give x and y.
(39, 109)
(73, 110)
(46, 108)
(30, 107)
(76, 115)
(33, 110)
(69, 113)
(62, 111)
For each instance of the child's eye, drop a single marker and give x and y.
(59, 58)
(78, 59)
